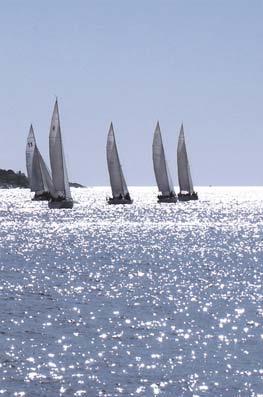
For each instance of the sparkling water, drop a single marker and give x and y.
(138, 300)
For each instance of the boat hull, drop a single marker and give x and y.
(41, 197)
(60, 204)
(115, 201)
(167, 199)
(187, 197)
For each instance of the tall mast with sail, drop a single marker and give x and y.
(119, 188)
(184, 174)
(38, 175)
(61, 198)
(30, 147)
(162, 175)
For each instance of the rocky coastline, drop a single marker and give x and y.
(10, 179)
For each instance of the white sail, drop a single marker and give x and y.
(117, 181)
(162, 175)
(57, 158)
(30, 147)
(184, 174)
(39, 177)
(47, 181)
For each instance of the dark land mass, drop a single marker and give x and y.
(11, 179)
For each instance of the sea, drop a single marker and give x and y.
(143, 300)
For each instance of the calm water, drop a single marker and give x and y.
(139, 300)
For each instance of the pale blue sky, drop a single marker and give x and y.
(133, 63)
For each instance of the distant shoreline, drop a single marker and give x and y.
(10, 179)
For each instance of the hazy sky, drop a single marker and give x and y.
(133, 63)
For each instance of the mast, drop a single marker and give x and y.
(117, 180)
(162, 175)
(38, 174)
(184, 174)
(30, 147)
(57, 158)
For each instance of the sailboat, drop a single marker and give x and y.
(120, 193)
(38, 174)
(162, 175)
(184, 175)
(61, 197)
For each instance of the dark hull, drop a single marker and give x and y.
(41, 197)
(60, 204)
(167, 199)
(187, 197)
(119, 201)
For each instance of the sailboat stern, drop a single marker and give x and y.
(171, 198)
(187, 196)
(56, 204)
(41, 196)
(117, 200)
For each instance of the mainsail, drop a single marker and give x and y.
(184, 174)
(37, 171)
(30, 147)
(117, 181)
(57, 158)
(162, 175)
